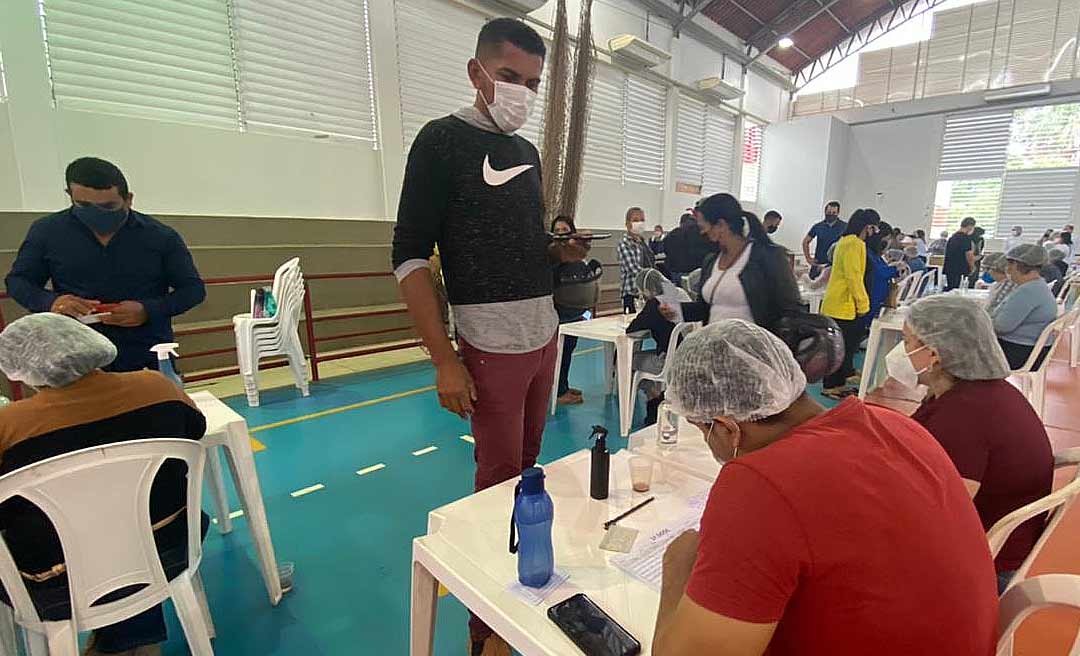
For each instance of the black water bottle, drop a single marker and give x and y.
(601, 464)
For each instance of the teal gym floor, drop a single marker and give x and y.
(351, 540)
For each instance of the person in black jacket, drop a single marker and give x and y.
(750, 278)
(685, 248)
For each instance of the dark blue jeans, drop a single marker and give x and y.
(568, 346)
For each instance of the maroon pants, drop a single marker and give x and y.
(512, 396)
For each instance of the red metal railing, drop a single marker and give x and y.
(310, 319)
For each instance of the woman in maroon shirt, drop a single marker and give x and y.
(987, 427)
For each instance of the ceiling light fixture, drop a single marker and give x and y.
(785, 42)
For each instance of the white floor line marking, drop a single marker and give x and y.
(426, 450)
(371, 469)
(233, 515)
(307, 490)
(468, 438)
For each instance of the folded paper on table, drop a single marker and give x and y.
(534, 596)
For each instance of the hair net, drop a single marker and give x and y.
(894, 255)
(735, 369)
(911, 252)
(961, 332)
(1056, 254)
(51, 350)
(1029, 254)
(995, 262)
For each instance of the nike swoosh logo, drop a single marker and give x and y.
(499, 178)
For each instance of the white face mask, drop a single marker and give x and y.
(511, 105)
(637, 227)
(898, 364)
(717, 458)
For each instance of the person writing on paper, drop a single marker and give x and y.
(990, 431)
(749, 278)
(650, 322)
(806, 547)
(101, 251)
(78, 406)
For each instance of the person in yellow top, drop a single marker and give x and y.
(846, 298)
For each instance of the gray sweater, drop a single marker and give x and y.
(1025, 313)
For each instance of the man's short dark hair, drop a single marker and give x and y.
(968, 222)
(97, 174)
(773, 214)
(833, 203)
(509, 30)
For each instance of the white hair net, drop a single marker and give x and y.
(51, 350)
(735, 369)
(962, 334)
(650, 282)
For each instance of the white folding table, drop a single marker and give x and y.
(611, 331)
(690, 454)
(466, 550)
(225, 428)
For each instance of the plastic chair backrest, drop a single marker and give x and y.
(680, 331)
(1054, 504)
(98, 500)
(904, 287)
(1052, 330)
(920, 289)
(1031, 595)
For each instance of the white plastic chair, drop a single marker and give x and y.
(1054, 505)
(272, 336)
(677, 333)
(1030, 596)
(904, 287)
(918, 288)
(98, 500)
(1033, 379)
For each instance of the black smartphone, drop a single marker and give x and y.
(591, 629)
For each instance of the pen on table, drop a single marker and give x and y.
(636, 508)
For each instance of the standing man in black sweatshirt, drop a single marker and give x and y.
(473, 187)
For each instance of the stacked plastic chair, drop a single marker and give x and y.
(267, 337)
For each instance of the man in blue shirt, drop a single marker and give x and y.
(827, 233)
(101, 252)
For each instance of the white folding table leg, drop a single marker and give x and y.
(623, 353)
(246, 479)
(218, 495)
(424, 607)
(558, 364)
(872, 346)
(609, 366)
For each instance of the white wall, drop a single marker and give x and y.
(892, 167)
(192, 169)
(794, 173)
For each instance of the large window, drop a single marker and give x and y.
(1009, 167)
(627, 132)
(286, 65)
(704, 148)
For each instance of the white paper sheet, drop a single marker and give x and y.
(534, 596)
(646, 561)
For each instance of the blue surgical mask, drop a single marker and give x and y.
(101, 221)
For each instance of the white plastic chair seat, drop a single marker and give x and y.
(264, 337)
(677, 333)
(98, 500)
(1022, 600)
(1033, 379)
(1054, 504)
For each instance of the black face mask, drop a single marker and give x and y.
(100, 221)
(831, 218)
(771, 229)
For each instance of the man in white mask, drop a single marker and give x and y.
(472, 187)
(634, 256)
(826, 530)
(1014, 239)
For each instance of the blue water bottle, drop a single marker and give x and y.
(532, 517)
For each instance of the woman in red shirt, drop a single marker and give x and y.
(995, 439)
(827, 532)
